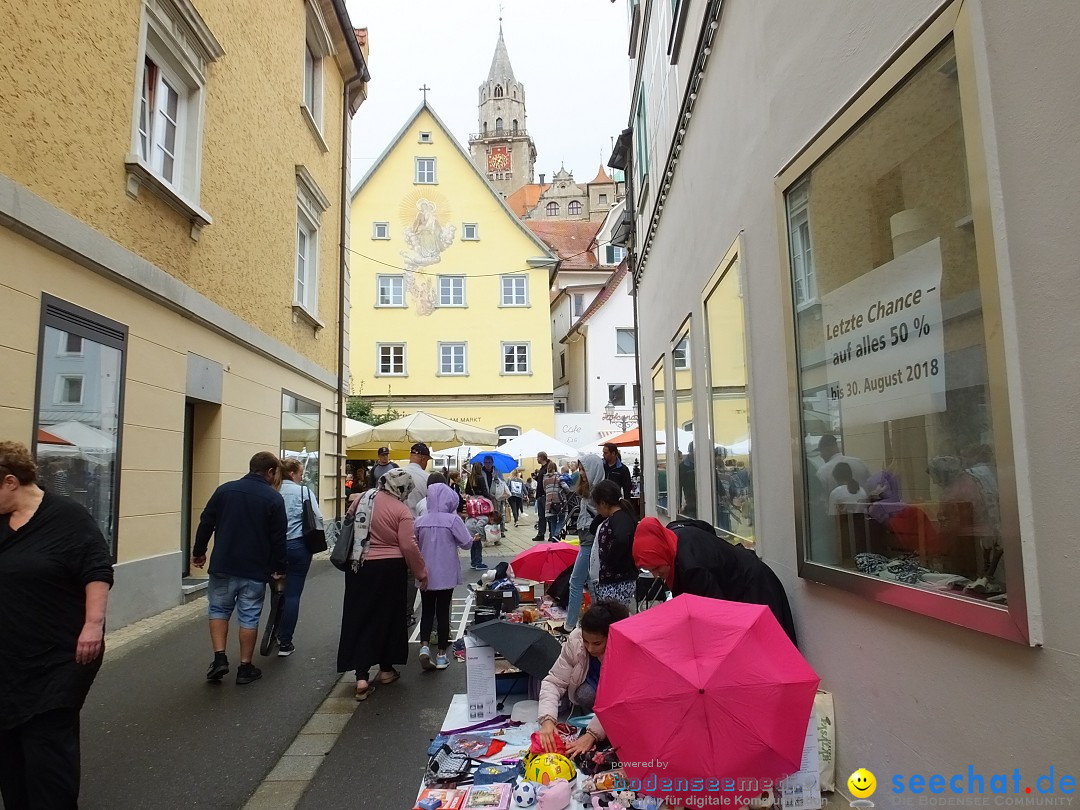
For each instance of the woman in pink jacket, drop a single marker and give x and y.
(576, 674)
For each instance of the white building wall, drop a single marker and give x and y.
(913, 694)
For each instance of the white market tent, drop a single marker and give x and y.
(88, 439)
(434, 431)
(528, 444)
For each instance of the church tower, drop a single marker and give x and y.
(502, 149)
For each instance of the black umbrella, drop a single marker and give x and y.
(529, 648)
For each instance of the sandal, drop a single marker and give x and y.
(363, 694)
(394, 675)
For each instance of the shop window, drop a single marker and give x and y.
(729, 418)
(662, 451)
(300, 436)
(80, 409)
(681, 450)
(906, 453)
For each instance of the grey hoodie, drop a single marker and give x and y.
(594, 474)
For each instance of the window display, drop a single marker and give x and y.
(300, 436)
(899, 448)
(660, 423)
(682, 450)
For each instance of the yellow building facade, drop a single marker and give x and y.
(171, 207)
(449, 290)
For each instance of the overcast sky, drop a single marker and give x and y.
(570, 55)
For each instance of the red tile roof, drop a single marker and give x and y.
(571, 241)
(601, 176)
(525, 198)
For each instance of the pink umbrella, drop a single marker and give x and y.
(706, 689)
(544, 561)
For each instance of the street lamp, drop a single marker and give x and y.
(624, 419)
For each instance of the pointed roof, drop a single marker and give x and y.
(563, 174)
(525, 198)
(548, 253)
(601, 176)
(571, 240)
(500, 62)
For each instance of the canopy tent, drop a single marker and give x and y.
(434, 431)
(88, 439)
(354, 426)
(531, 442)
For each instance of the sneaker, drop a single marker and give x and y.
(218, 670)
(539, 538)
(246, 673)
(285, 649)
(441, 662)
(425, 659)
(479, 567)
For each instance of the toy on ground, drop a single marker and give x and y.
(525, 794)
(546, 768)
(555, 796)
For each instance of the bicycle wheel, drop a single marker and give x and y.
(273, 621)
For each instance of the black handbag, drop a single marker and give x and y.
(339, 557)
(314, 537)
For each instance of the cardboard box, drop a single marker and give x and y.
(480, 679)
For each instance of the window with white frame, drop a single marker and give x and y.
(515, 358)
(578, 305)
(71, 346)
(69, 389)
(310, 205)
(317, 46)
(625, 342)
(380, 230)
(804, 279)
(515, 291)
(614, 254)
(391, 359)
(552, 209)
(680, 355)
(506, 433)
(425, 170)
(573, 208)
(168, 110)
(425, 137)
(451, 291)
(453, 359)
(470, 232)
(391, 291)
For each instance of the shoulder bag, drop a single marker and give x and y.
(312, 532)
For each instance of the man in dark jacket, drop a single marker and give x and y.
(541, 517)
(247, 519)
(615, 470)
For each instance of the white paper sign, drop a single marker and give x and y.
(802, 790)
(884, 345)
(480, 679)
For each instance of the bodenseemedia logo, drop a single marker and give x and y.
(970, 788)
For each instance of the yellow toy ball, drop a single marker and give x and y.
(546, 768)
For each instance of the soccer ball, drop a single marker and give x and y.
(525, 795)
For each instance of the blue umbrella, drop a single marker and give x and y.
(503, 462)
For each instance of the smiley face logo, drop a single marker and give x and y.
(862, 783)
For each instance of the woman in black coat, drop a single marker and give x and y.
(692, 560)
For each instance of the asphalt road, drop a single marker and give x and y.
(156, 734)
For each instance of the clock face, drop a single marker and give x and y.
(499, 159)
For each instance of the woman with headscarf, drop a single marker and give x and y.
(373, 626)
(439, 533)
(692, 560)
(590, 473)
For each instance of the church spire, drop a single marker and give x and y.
(500, 62)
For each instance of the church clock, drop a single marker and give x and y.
(499, 159)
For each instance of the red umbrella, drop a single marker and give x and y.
(632, 438)
(707, 689)
(544, 561)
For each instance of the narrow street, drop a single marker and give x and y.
(186, 743)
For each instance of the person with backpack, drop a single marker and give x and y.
(481, 512)
(517, 495)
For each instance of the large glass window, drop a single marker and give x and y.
(300, 435)
(79, 410)
(899, 446)
(682, 451)
(733, 497)
(660, 423)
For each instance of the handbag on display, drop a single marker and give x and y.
(313, 534)
(446, 766)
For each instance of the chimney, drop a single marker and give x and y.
(541, 178)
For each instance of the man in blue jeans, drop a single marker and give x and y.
(247, 519)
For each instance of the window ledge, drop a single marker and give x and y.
(514, 306)
(451, 374)
(451, 306)
(139, 174)
(644, 192)
(305, 113)
(391, 306)
(300, 313)
(806, 305)
(389, 374)
(515, 373)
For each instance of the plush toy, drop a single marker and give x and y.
(525, 794)
(624, 799)
(555, 796)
